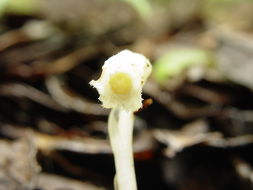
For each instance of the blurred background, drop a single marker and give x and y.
(195, 130)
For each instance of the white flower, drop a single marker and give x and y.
(123, 76)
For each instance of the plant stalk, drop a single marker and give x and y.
(121, 136)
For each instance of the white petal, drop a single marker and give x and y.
(134, 65)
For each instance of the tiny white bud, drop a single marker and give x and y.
(123, 76)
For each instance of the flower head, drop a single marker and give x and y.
(123, 76)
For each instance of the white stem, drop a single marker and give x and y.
(121, 135)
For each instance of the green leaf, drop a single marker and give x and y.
(176, 61)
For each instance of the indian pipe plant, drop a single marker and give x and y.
(120, 88)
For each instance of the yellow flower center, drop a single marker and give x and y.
(120, 83)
